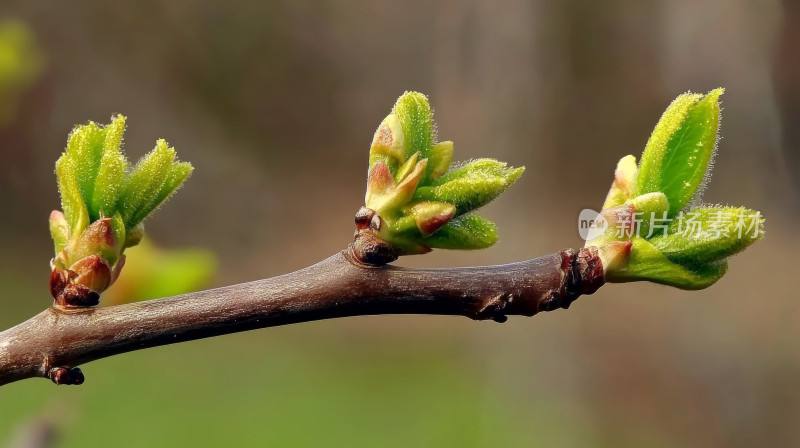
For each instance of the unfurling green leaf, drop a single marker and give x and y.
(111, 172)
(85, 149)
(144, 183)
(406, 167)
(650, 210)
(624, 182)
(707, 234)
(466, 232)
(134, 236)
(388, 143)
(416, 119)
(677, 157)
(439, 160)
(471, 186)
(72, 202)
(178, 173)
(647, 263)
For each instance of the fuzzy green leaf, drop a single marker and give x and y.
(471, 186)
(72, 203)
(85, 149)
(134, 236)
(406, 168)
(406, 224)
(144, 183)
(464, 232)
(111, 173)
(677, 157)
(690, 152)
(416, 119)
(647, 263)
(708, 234)
(650, 211)
(439, 160)
(178, 173)
(119, 232)
(649, 176)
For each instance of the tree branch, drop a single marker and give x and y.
(52, 343)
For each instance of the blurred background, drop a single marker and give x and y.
(275, 104)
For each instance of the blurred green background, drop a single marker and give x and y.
(275, 103)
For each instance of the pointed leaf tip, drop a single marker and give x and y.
(144, 183)
(110, 176)
(407, 167)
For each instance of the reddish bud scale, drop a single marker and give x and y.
(584, 275)
(59, 279)
(77, 296)
(93, 272)
(68, 291)
(369, 248)
(364, 217)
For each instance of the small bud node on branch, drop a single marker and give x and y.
(66, 376)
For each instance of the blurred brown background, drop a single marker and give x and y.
(275, 103)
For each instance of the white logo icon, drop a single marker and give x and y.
(591, 224)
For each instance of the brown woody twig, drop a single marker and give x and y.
(52, 343)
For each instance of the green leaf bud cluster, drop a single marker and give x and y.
(104, 203)
(653, 232)
(421, 200)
